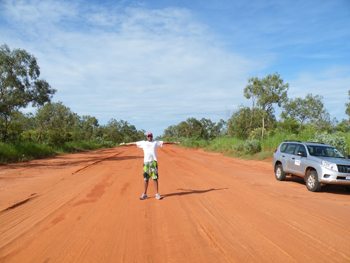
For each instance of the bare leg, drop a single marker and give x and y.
(156, 185)
(145, 186)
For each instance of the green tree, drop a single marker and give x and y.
(246, 120)
(121, 131)
(308, 110)
(56, 123)
(265, 93)
(196, 129)
(288, 125)
(19, 85)
(240, 123)
(210, 129)
(87, 128)
(19, 123)
(183, 129)
(111, 131)
(343, 126)
(129, 132)
(171, 132)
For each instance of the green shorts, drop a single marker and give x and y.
(150, 170)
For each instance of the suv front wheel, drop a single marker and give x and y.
(312, 182)
(279, 173)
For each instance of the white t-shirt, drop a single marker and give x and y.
(149, 149)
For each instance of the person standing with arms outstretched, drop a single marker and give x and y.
(150, 162)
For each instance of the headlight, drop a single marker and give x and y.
(328, 165)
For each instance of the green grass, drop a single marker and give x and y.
(7, 153)
(229, 145)
(194, 143)
(80, 146)
(223, 144)
(24, 151)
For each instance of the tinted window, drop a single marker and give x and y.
(291, 148)
(301, 149)
(324, 151)
(283, 147)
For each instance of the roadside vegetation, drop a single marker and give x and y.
(53, 128)
(251, 132)
(256, 131)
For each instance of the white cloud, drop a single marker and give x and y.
(157, 67)
(153, 68)
(38, 12)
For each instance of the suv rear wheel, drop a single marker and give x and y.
(312, 182)
(279, 173)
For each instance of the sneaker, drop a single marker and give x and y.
(158, 197)
(143, 197)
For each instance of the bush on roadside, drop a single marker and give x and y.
(256, 134)
(194, 143)
(77, 146)
(248, 147)
(223, 144)
(23, 151)
(252, 146)
(8, 153)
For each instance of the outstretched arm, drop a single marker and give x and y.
(171, 142)
(127, 144)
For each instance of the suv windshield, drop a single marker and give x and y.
(324, 151)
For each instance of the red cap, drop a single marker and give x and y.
(149, 134)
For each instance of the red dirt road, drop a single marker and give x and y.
(85, 208)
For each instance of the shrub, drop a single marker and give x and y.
(252, 146)
(256, 133)
(194, 143)
(23, 151)
(77, 146)
(7, 153)
(335, 140)
(30, 150)
(248, 147)
(223, 144)
(239, 148)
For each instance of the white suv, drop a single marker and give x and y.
(317, 163)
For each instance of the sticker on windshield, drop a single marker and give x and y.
(297, 162)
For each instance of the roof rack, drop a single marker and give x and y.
(291, 141)
(316, 142)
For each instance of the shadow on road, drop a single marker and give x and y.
(332, 189)
(192, 191)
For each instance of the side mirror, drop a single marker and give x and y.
(302, 154)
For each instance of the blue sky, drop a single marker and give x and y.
(156, 63)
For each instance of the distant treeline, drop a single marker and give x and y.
(302, 118)
(53, 128)
(55, 125)
(259, 120)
